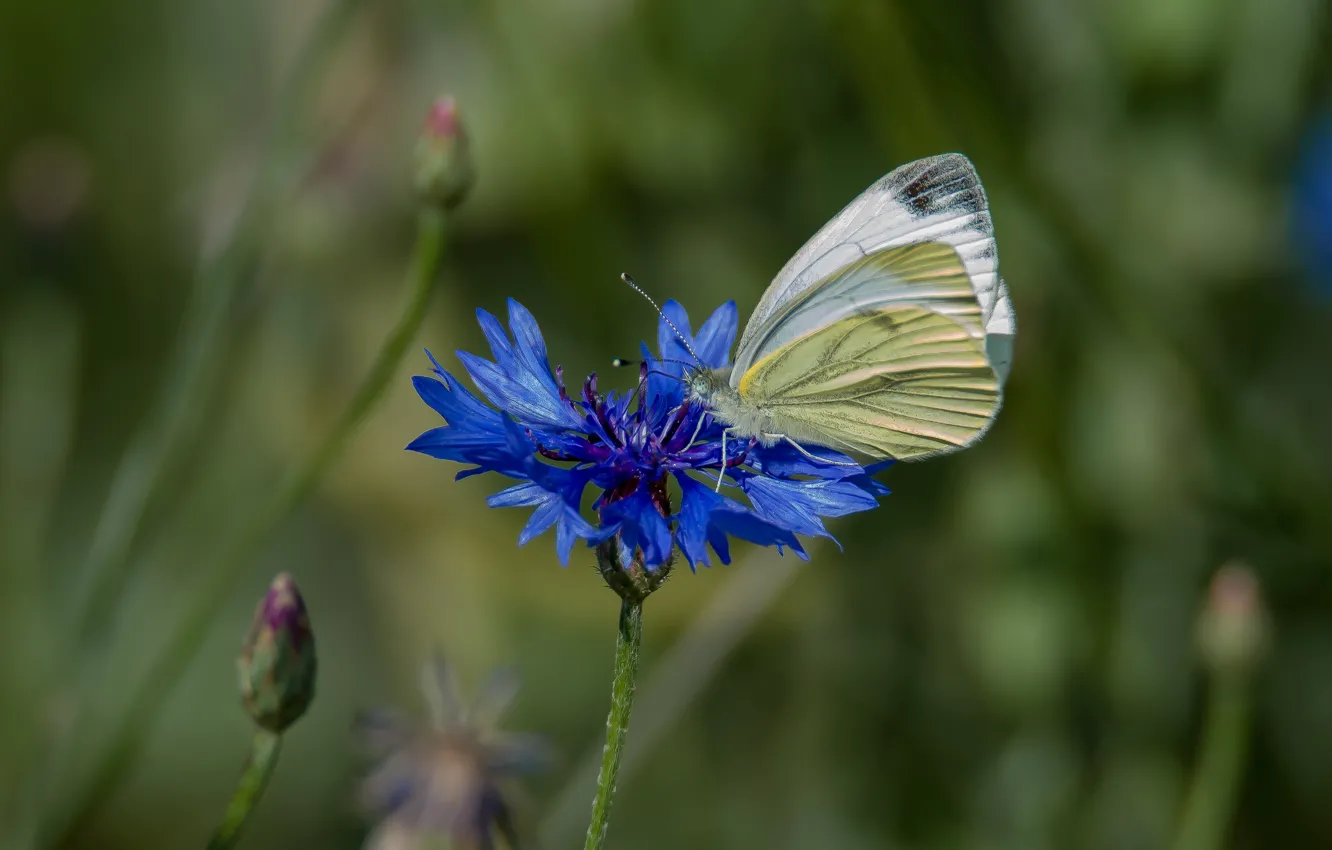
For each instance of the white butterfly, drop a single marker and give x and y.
(889, 334)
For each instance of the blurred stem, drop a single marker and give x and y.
(627, 643)
(1216, 778)
(195, 361)
(222, 574)
(258, 768)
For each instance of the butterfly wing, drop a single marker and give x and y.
(928, 274)
(897, 381)
(999, 333)
(938, 199)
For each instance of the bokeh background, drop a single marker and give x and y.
(1003, 656)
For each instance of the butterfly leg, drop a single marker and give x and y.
(806, 453)
(726, 432)
(697, 428)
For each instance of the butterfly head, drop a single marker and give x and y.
(706, 385)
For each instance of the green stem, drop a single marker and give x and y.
(258, 769)
(223, 573)
(195, 363)
(627, 643)
(1216, 778)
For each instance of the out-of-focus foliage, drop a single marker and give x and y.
(1003, 655)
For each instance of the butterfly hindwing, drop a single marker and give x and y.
(897, 381)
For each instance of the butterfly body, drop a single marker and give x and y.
(742, 417)
(888, 335)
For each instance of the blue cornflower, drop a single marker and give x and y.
(643, 452)
(449, 779)
(1311, 205)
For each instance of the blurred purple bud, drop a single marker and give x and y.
(277, 663)
(1233, 628)
(444, 169)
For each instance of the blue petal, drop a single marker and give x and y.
(530, 346)
(669, 342)
(717, 335)
(517, 440)
(868, 483)
(641, 525)
(542, 518)
(797, 505)
(520, 381)
(551, 509)
(474, 433)
(565, 535)
(745, 525)
(706, 516)
(520, 394)
(664, 392)
(457, 444)
(691, 525)
(784, 460)
(451, 400)
(717, 539)
(498, 339)
(517, 496)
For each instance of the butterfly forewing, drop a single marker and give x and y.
(937, 199)
(927, 274)
(898, 381)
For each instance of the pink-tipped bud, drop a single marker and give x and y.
(1233, 628)
(277, 663)
(444, 170)
(442, 120)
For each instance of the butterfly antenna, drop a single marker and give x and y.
(636, 288)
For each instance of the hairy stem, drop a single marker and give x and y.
(258, 769)
(627, 643)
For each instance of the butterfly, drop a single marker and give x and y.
(888, 335)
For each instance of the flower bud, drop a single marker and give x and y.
(1232, 629)
(444, 170)
(277, 663)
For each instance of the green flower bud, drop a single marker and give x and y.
(1233, 628)
(444, 169)
(277, 662)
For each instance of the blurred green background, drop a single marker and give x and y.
(1004, 654)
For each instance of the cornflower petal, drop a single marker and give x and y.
(668, 343)
(748, 526)
(715, 338)
(452, 400)
(797, 505)
(640, 525)
(783, 460)
(697, 502)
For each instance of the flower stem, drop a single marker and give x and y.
(258, 768)
(1216, 778)
(627, 643)
(182, 646)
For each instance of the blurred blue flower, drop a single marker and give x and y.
(638, 450)
(447, 780)
(1311, 205)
